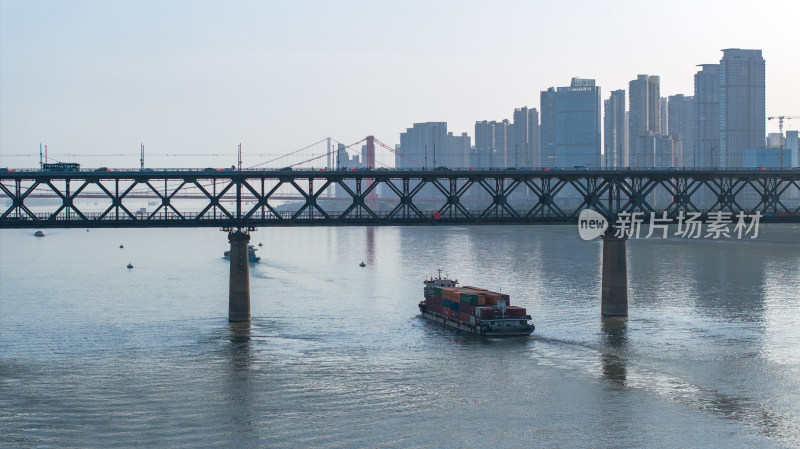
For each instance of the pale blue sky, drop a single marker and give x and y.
(97, 78)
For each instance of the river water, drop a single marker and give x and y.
(96, 355)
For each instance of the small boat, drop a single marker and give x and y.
(260, 244)
(130, 265)
(251, 254)
(121, 246)
(38, 234)
(362, 264)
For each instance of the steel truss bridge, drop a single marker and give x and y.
(260, 198)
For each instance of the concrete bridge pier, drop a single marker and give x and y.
(615, 275)
(239, 287)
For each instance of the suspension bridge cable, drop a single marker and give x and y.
(289, 154)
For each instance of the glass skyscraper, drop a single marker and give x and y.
(570, 129)
(616, 145)
(741, 103)
(706, 97)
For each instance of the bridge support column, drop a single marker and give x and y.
(615, 276)
(239, 288)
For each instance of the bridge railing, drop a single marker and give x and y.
(99, 218)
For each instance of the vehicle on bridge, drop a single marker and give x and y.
(472, 309)
(61, 166)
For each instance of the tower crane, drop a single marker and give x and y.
(780, 119)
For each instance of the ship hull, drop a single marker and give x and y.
(481, 329)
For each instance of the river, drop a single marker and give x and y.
(93, 354)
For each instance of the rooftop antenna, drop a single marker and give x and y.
(141, 160)
(40, 156)
(240, 156)
(45, 154)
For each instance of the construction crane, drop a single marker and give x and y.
(780, 119)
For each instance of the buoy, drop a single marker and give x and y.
(362, 264)
(130, 265)
(260, 244)
(121, 246)
(39, 234)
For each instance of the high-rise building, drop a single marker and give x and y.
(570, 133)
(706, 97)
(457, 154)
(644, 97)
(793, 147)
(501, 140)
(742, 105)
(548, 130)
(615, 142)
(524, 144)
(483, 154)
(345, 160)
(484, 134)
(658, 150)
(492, 139)
(420, 144)
(682, 126)
(775, 140)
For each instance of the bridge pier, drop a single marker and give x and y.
(239, 287)
(615, 275)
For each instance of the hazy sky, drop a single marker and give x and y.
(93, 79)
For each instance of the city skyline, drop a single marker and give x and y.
(98, 79)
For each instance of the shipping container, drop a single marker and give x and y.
(468, 298)
(463, 316)
(445, 303)
(437, 291)
(475, 288)
(455, 307)
(481, 300)
(490, 312)
(515, 312)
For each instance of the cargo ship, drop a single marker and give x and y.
(472, 309)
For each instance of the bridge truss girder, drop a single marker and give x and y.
(278, 198)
